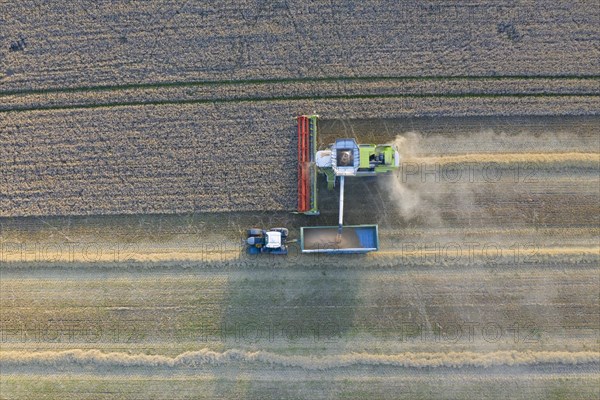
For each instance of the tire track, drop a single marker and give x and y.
(295, 80)
(300, 98)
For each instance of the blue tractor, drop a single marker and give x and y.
(272, 241)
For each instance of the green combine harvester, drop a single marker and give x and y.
(344, 158)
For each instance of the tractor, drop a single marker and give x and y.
(272, 241)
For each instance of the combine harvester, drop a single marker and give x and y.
(344, 158)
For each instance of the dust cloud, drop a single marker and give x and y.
(471, 176)
(420, 190)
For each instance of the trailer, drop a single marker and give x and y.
(328, 239)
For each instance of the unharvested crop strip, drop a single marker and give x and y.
(292, 80)
(295, 98)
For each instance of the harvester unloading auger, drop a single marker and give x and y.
(343, 158)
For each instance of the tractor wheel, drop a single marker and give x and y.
(254, 232)
(284, 231)
(253, 250)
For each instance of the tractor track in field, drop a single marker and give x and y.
(299, 89)
(296, 98)
(4, 93)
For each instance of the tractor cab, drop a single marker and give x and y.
(273, 240)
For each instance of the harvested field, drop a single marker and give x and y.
(318, 328)
(300, 89)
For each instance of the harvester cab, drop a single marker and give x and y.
(365, 159)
